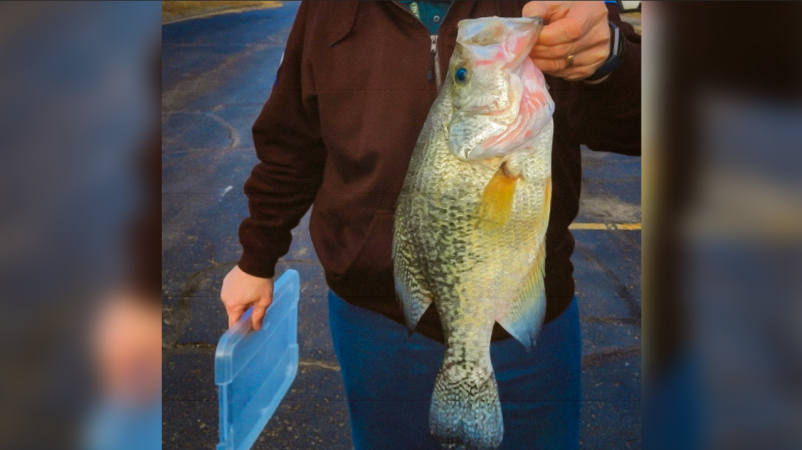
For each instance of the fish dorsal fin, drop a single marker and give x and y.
(525, 318)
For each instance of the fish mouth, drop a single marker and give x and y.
(521, 42)
(474, 31)
(507, 124)
(515, 36)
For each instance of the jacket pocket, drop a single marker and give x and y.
(374, 255)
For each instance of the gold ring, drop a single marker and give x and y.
(569, 61)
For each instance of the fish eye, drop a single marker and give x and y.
(461, 74)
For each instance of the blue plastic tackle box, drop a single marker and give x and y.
(254, 369)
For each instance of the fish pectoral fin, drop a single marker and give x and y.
(525, 318)
(496, 204)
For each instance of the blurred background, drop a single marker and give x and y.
(722, 209)
(80, 355)
(79, 246)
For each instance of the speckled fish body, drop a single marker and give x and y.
(487, 138)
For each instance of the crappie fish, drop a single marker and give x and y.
(471, 219)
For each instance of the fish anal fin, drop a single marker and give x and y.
(525, 319)
(497, 199)
(415, 299)
(414, 307)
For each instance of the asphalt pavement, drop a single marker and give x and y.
(217, 73)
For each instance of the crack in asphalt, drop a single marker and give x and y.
(323, 365)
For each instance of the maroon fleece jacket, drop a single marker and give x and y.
(339, 128)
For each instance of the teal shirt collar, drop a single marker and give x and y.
(431, 14)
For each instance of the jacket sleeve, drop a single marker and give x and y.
(283, 185)
(607, 116)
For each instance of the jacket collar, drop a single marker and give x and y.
(347, 21)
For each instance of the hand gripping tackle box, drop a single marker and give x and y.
(254, 369)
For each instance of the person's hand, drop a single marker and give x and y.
(240, 291)
(571, 28)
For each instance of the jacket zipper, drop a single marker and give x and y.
(436, 50)
(434, 64)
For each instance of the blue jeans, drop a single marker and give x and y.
(389, 378)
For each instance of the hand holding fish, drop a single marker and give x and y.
(575, 40)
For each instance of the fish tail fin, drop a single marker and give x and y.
(496, 205)
(466, 411)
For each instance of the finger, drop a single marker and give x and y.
(599, 36)
(259, 310)
(532, 9)
(563, 31)
(557, 66)
(558, 51)
(585, 64)
(578, 21)
(234, 314)
(549, 66)
(587, 60)
(574, 74)
(549, 11)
